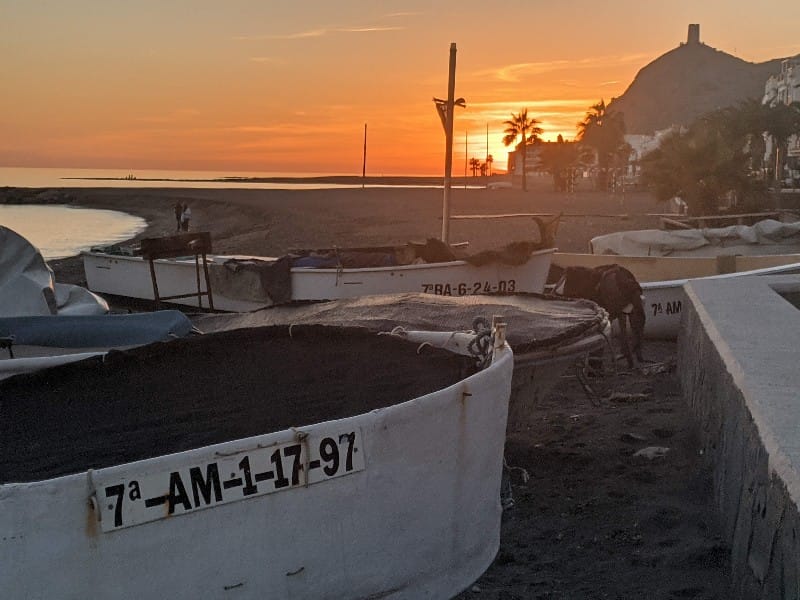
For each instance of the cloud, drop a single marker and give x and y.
(396, 15)
(315, 33)
(269, 60)
(514, 73)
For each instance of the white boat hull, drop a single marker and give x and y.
(129, 276)
(416, 515)
(664, 300)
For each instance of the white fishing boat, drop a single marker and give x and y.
(280, 462)
(548, 335)
(664, 300)
(663, 261)
(244, 283)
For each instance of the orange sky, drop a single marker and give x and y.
(287, 86)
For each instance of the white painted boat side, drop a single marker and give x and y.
(421, 520)
(664, 300)
(455, 278)
(130, 276)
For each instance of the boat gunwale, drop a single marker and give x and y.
(411, 267)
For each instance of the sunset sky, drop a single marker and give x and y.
(276, 86)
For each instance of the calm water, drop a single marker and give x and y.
(61, 177)
(61, 231)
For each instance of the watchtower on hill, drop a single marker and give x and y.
(693, 37)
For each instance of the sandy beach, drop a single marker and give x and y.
(590, 519)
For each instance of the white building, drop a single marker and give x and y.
(784, 88)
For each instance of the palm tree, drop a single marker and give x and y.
(527, 129)
(604, 132)
(474, 164)
(489, 161)
(702, 166)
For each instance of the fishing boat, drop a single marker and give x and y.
(548, 335)
(245, 283)
(663, 261)
(288, 462)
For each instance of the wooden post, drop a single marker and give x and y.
(155, 283)
(448, 133)
(208, 283)
(364, 162)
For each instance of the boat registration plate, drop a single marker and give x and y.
(136, 499)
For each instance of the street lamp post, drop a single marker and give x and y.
(446, 109)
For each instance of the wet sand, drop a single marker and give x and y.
(590, 519)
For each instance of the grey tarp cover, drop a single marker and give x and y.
(534, 321)
(765, 237)
(27, 286)
(88, 331)
(254, 279)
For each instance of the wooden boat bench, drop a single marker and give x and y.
(197, 244)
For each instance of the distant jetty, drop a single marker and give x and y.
(392, 180)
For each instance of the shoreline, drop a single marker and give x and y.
(272, 222)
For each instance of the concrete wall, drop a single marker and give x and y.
(739, 363)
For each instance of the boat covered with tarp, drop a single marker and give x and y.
(283, 462)
(547, 334)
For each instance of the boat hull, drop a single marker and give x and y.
(664, 300)
(415, 514)
(129, 276)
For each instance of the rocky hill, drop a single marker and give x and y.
(687, 82)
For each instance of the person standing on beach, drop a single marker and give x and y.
(178, 215)
(186, 216)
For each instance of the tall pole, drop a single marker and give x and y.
(466, 154)
(364, 163)
(448, 154)
(486, 160)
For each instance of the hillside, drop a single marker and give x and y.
(687, 82)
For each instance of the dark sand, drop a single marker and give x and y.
(593, 521)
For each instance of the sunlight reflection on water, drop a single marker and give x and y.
(62, 231)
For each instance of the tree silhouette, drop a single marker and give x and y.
(604, 132)
(561, 159)
(528, 130)
(475, 165)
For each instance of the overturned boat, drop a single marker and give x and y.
(283, 462)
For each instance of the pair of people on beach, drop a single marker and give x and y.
(183, 214)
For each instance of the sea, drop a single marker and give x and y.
(61, 231)
(67, 177)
